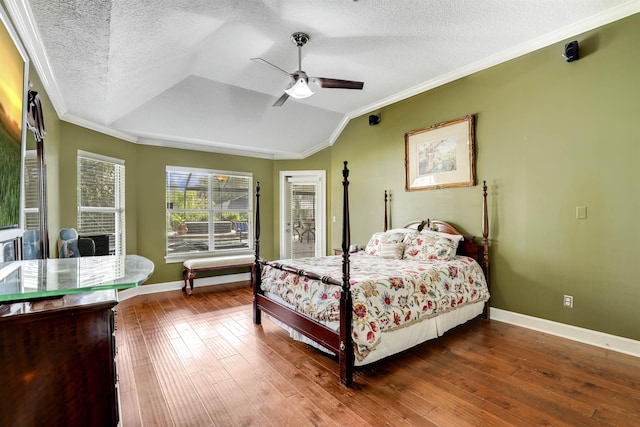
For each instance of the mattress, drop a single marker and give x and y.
(389, 297)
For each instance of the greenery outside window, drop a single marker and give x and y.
(101, 209)
(208, 212)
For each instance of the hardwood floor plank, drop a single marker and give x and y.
(204, 383)
(360, 402)
(459, 403)
(285, 377)
(153, 407)
(254, 384)
(535, 365)
(550, 398)
(617, 384)
(130, 413)
(478, 389)
(243, 408)
(170, 372)
(199, 360)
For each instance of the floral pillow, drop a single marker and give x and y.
(374, 247)
(429, 245)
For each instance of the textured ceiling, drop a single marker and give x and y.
(177, 72)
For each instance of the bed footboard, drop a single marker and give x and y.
(340, 343)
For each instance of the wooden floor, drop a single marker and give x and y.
(200, 361)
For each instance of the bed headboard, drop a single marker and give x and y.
(468, 247)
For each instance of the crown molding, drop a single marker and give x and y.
(24, 22)
(25, 25)
(107, 130)
(610, 15)
(204, 146)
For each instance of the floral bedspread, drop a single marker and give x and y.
(387, 294)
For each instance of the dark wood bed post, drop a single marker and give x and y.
(257, 277)
(485, 244)
(346, 310)
(386, 223)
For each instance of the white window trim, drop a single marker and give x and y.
(321, 213)
(120, 225)
(100, 157)
(181, 257)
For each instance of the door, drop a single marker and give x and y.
(302, 214)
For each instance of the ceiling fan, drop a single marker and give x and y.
(299, 86)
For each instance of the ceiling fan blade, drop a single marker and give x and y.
(336, 83)
(264, 61)
(281, 100)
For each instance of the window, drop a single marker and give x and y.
(208, 211)
(101, 199)
(31, 219)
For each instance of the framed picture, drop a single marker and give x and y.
(441, 156)
(13, 90)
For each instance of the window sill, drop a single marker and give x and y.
(170, 259)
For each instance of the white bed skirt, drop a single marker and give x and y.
(393, 342)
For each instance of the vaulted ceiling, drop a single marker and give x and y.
(178, 72)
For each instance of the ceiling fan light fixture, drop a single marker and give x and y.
(299, 90)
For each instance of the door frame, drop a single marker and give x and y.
(321, 209)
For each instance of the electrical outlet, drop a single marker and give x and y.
(568, 301)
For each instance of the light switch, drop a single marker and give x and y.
(581, 212)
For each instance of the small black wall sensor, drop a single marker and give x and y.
(571, 51)
(374, 120)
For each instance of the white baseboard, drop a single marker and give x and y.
(586, 336)
(172, 286)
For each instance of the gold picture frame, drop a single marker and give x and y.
(13, 107)
(441, 156)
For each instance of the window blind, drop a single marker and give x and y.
(303, 217)
(101, 205)
(208, 211)
(31, 197)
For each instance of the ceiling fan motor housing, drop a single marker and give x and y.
(300, 39)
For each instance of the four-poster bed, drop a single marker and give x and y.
(408, 286)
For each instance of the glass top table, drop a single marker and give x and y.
(50, 278)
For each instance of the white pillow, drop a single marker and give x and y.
(391, 250)
(401, 230)
(379, 238)
(455, 237)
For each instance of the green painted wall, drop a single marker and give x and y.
(74, 138)
(550, 136)
(149, 179)
(51, 152)
(145, 189)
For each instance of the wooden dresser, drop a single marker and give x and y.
(58, 361)
(57, 342)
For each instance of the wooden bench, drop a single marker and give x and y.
(196, 265)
